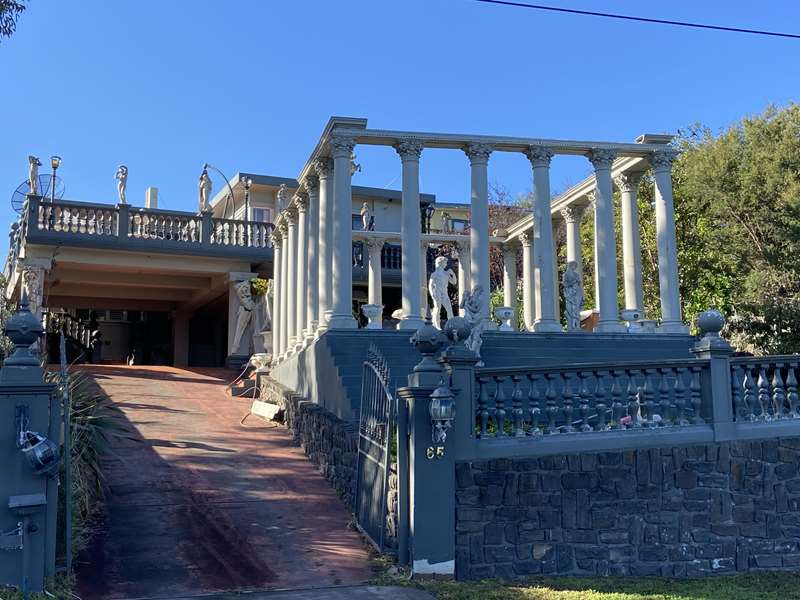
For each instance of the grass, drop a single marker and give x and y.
(760, 586)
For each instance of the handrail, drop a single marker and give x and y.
(592, 366)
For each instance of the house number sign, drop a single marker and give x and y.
(434, 452)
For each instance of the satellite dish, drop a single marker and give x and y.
(45, 189)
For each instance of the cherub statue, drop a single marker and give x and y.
(33, 174)
(204, 186)
(366, 216)
(244, 314)
(573, 296)
(122, 182)
(472, 303)
(437, 288)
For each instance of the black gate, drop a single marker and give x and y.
(375, 436)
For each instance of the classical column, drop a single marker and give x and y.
(410, 150)
(462, 249)
(311, 183)
(631, 243)
(671, 321)
(291, 279)
(286, 250)
(374, 279)
(277, 283)
(510, 279)
(342, 317)
(528, 296)
(606, 256)
(556, 278)
(324, 169)
(301, 201)
(425, 304)
(478, 155)
(543, 264)
(572, 217)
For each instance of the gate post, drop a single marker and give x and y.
(29, 485)
(717, 351)
(431, 466)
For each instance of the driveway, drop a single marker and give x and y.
(202, 503)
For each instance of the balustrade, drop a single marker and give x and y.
(246, 234)
(587, 398)
(144, 224)
(765, 389)
(77, 219)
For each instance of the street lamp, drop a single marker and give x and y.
(248, 182)
(429, 210)
(55, 162)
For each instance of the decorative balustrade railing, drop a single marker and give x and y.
(765, 389)
(106, 225)
(145, 224)
(78, 329)
(589, 397)
(391, 257)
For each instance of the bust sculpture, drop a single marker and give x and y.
(122, 182)
(573, 296)
(244, 315)
(472, 303)
(438, 284)
(33, 174)
(204, 191)
(366, 216)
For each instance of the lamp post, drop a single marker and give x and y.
(228, 183)
(55, 162)
(429, 210)
(248, 182)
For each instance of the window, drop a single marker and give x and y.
(357, 224)
(261, 215)
(458, 225)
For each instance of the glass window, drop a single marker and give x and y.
(458, 225)
(357, 224)
(262, 215)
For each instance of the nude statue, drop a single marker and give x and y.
(472, 303)
(244, 314)
(437, 288)
(366, 216)
(122, 182)
(33, 174)
(204, 189)
(573, 296)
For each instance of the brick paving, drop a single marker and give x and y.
(201, 503)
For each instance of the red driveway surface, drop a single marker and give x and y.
(202, 503)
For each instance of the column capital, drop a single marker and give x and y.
(290, 215)
(311, 183)
(462, 245)
(601, 158)
(282, 197)
(282, 229)
(409, 148)
(628, 182)
(300, 202)
(341, 145)
(661, 160)
(510, 247)
(276, 238)
(323, 166)
(526, 238)
(572, 213)
(478, 153)
(540, 156)
(374, 243)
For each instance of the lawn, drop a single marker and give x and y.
(761, 586)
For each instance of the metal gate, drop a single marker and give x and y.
(375, 436)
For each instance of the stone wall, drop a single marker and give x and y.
(687, 511)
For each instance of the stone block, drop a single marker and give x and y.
(639, 570)
(544, 552)
(596, 552)
(708, 550)
(493, 533)
(528, 482)
(529, 464)
(499, 554)
(551, 482)
(588, 462)
(510, 490)
(549, 519)
(767, 561)
(652, 552)
(604, 518)
(786, 470)
(753, 530)
(569, 507)
(681, 552)
(564, 557)
(668, 535)
(468, 497)
(615, 537)
(609, 458)
(476, 549)
(648, 491)
(713, 480)
(725, 529)
(580, 536)
(791, 560)
(723, 565)
(579, 481)
(524, 552)
(743, 514)
(626, 553)
(529, 567)
(481, 571)
(463, 474)
(491, 495)
(484, 479)
(533, 499)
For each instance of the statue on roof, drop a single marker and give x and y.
(204, 187)
(366, 217)
(33, 174)
(122, 182)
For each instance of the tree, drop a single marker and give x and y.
(10, 11)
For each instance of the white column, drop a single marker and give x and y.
(324, 169)
(277, 245)
(342, 317)
(311, 183)
(671, 321)
(606, 257)
(572, 217)
(478, 155)
(528, 297)
(423, 280)
(543, 267)
(291, 280)
(284, 286)
(631, 243)
(374, 277)
(462, 250)
(556, 278)
(510, 279)
(301, 201)
(410, 151)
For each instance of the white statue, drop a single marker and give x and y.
(573, 296)
(33, 175)
(366, 216)
(437, 288)
(204, 190)
(122, 182)
(245, 313)
(283, 197)
(268, 307)
(33, 287)
(472, 303)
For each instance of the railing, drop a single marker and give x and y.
(228, 232)
(588, 398)
(765, 389)
(391, 257)
(78, 329)
(145, 224)
(73, 218)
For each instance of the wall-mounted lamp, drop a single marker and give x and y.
(442, 410)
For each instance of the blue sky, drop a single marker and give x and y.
(247, 86)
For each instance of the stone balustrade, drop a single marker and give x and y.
(765, 389)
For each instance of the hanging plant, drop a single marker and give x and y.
(258, 286)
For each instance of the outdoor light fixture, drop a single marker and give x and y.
(429, 210)
(442, 410)
(55, 162)
(248, 182)
(41, 452)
